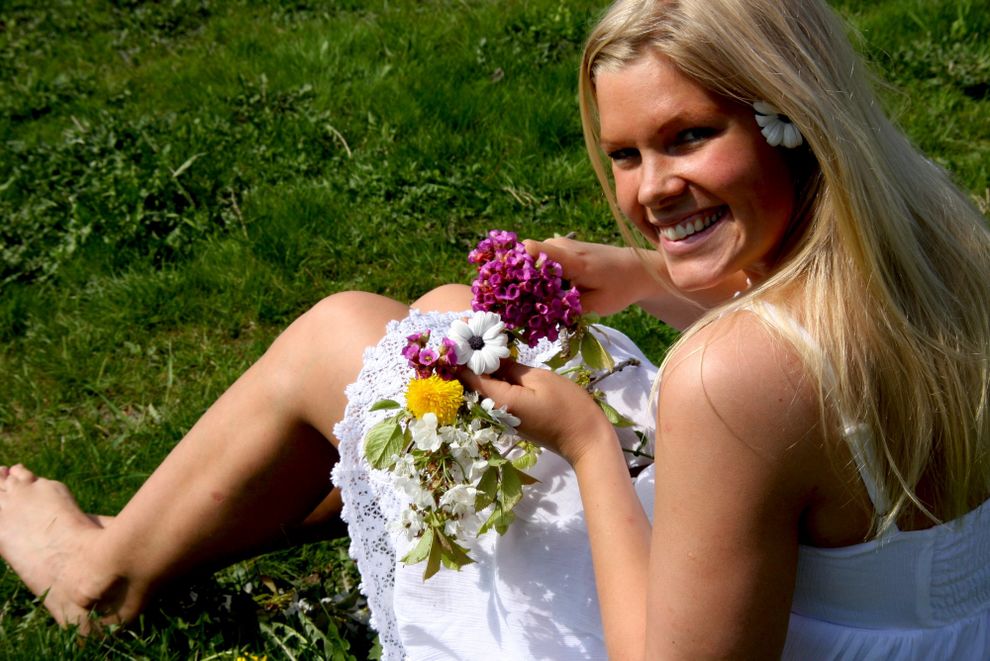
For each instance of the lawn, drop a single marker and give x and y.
(180, 179)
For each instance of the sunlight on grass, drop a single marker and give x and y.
(180, 180)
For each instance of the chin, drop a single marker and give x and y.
(691, 280)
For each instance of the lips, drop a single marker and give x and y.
(692, 225)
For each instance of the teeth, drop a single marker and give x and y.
(689, 227)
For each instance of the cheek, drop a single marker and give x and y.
(757, 184)
(627, 196)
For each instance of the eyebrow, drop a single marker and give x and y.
(689, 118)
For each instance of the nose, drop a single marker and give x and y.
(659, 181)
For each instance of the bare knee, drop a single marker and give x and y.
(445, 298)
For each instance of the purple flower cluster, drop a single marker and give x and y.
(427, 361)
(526, 292)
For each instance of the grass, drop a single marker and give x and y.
(178, 180)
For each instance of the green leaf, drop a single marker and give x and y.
(527, 479)
(421, 550)
(383, 440)
(511, 491)
(500, 520)
(385, 404)
(557, 361)
(433, 561)
(453, 555)
(614, 416)
(524, 461)
(594, 354)
(487, 486)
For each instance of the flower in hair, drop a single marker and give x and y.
(776, 127)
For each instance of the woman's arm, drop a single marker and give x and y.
(737, 455)
(611, 278)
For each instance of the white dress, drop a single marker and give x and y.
(531, 593)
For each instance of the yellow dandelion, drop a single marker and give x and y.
(435, 395)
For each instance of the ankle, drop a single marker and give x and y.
(97, 583)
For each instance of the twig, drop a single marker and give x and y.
(621, 365)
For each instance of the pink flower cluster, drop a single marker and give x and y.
(427, 361)
(526, 292)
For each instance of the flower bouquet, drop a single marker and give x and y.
(456, 456)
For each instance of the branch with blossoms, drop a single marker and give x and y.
(457, 457)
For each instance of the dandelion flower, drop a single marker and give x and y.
(437, 396)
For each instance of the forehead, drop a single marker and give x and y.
(651, 90)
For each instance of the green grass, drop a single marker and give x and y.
(178, 180)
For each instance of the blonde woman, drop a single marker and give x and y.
(821, 427)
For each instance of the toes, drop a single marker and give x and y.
(19, 472)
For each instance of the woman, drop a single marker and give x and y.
(823, 415)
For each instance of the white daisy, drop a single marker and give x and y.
(776, 127)
(481, 342)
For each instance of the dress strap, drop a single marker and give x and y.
(856, 434)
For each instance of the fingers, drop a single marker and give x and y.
(496, 388)
(564, 251)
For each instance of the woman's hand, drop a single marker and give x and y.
(610, 278)
(555, 412)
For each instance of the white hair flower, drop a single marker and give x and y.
(776, 127)
(481, 342)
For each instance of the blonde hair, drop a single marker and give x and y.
(892, 259)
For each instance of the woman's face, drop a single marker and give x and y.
(693, 173)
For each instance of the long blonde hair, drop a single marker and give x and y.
(893, 260)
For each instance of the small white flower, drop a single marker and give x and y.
(481, 342)
(459, 500)
(415, 492)
(499, 413)
(477, 469)
(776, 127)
(486, 435)
(410, 522)
(424, 433)
(452, 528)
(404, 466)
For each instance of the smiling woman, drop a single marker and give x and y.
(693, 173)
(821, 429)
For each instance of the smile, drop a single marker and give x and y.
(686, 228)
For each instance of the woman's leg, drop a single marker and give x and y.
(256, 462)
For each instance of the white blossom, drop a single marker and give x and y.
(459, 500)
(410, 522)
(499, 413)
(424, 433)
(481, 342)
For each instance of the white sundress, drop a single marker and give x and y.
(531, 592)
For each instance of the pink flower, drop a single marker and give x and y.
(527, 293)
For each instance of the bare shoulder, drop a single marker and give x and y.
(745, 380)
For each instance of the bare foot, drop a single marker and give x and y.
(41, 530)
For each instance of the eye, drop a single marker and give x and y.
(694, 135)
(623, 155)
